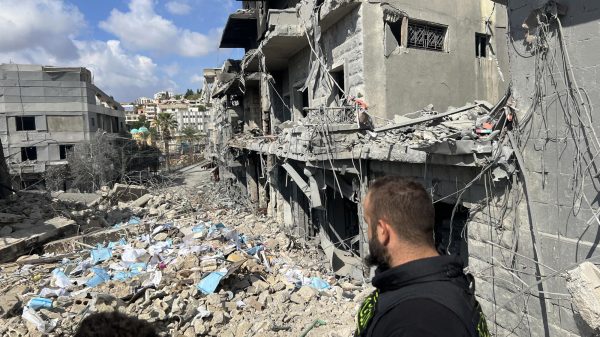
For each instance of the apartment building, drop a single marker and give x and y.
(45, 110)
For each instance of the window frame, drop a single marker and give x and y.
(63, 149)
(21, 126)
(427, 27)
(479, 37)
(25, 155)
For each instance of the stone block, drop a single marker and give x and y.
(123, 192)
(583, 285)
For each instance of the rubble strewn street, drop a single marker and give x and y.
(188, 259)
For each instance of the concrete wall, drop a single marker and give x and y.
(342, 45)
(67, 108)
(410, 79)
(559, 148)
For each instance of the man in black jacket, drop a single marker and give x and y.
(419, 292)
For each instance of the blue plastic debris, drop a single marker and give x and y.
(136, 268)
(209, 283)
(215, 227)
(101, 254)
(319, 283)
(39, 302)
(100, 276)
(114, 244)
(254, 249)
(60, 279)
(134, 220)
(198, 228)
(122, 276)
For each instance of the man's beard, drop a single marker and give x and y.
(378, 254)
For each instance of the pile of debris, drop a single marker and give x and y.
(186, 264)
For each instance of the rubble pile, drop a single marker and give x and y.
(187, 261)
(470, 129)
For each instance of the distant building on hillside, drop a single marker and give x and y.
(143, 100)
(161, 95)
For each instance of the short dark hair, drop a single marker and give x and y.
(114, 324)
(405, 205)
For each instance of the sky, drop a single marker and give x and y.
(134, 48)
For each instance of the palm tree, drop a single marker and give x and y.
(164, 122)
(191, 135)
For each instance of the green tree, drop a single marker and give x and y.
(191, 136)
(188, 93)
(164, 122)
(152, 134)
(142, 121)
(198, 92)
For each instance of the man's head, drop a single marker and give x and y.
(399, 213)
(114, 324)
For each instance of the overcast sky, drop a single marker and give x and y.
(133, 47)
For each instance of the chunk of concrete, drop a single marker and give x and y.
(123, 192)
(583, 284)
(9, 305)
(141, 201)
(21, 242)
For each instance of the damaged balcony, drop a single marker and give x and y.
(284, 38)
(240, 30)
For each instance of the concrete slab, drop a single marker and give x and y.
(21, 242)
(123, 192)
(141, 201)
(85, 198)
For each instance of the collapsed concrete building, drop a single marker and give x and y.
(333, 94)
(45, 110)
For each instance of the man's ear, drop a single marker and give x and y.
(383, 232)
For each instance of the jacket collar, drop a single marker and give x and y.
(422, 270)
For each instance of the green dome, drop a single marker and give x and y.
(134, 131)
(143, 129)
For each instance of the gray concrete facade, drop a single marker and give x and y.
(47, 109)
(521, 250)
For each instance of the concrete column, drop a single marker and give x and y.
(263, 193)
(363, 226)
(251, 179)
(5, 183)
(279, 196)
(272, 181)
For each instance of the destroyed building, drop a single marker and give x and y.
(45, 110)
(333, 94)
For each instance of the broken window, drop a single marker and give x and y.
(28, 153)
(426, 36)
(300, 102)
(287, 113)
(481, 45)
(304, 101)
(64, 149)
(338, 77)
(393, 36)
(25, 123)
(450, 231)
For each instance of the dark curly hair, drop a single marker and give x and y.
(114, 324)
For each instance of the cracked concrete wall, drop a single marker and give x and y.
(560, 171)
(342, 46)
(410, 78)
